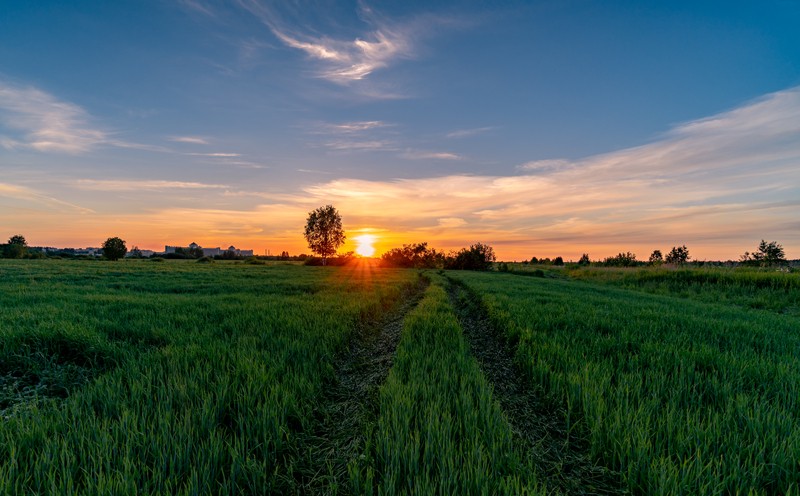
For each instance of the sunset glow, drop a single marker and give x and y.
(365, 245)
(409, 118)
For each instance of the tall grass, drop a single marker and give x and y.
(681, 397)
(175, 378)
(768, 289)
(439, 430)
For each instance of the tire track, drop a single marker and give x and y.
(538, 427)
(350, 401)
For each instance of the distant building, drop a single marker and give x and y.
(89, 252)
(210, 252)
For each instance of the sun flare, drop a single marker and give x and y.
(364, 245)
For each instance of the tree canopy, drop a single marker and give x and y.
(768, 254)
(324, 231)
(17, 247)
(677, 255)
(114, 248)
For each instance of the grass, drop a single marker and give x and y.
(177, 378)
(183, 378)
(768, 289)
(680, 396)
(439, 430)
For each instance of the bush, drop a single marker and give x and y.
(205, 260)
(627, 259)
(477, 257)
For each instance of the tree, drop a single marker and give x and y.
(17, 246)
(136, 252)
(626, 259)
(324, 231)
(656, 258)
(768, 254)
(558, 261)
(477, 257)
(584, 259)
(114, 248)
(678, 255)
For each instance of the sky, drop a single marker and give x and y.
(541, 128)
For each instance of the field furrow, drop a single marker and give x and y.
(350, 400)
(539, 427)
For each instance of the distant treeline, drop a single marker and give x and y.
(418, 255)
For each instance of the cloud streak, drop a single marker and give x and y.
(342, 61)
(44, 123)
(138, 185)
(194, 140)
(26, 194)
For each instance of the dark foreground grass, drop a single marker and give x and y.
(171, 378)
(679, 396)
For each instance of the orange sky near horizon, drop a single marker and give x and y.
(695, 185)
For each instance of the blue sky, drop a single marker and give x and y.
(544, 128)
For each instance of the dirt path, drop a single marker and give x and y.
(350, 402)
(539, 429)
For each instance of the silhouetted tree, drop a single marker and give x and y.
(584, 259)
(417, 255)
(114, 248)
(768, 254)
(477, 257)
(677, 255)
(17, 246)
(626, 259)
(324, 231)
(656, 257)
(558, 261)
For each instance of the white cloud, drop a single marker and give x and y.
(360, 145)
(353, 127)
(44, 123)
(465, 133)
(423, 155)
(195, 140)
(218, 154)
(138, 185)
(343, 61)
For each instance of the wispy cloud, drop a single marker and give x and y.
(138, 185)
(343, 60)
(545, 166)
(216, 154)
(425, 155)
(23, 193)
(197, 6)
(465, 133)
(194, 140)
(352, 127)
(43, 123)
(39, 121)
(359, 145)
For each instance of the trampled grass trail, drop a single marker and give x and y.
(349, 402)
(439, 430)
(539, 427)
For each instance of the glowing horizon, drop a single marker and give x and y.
(417, 123)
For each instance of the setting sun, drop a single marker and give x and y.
(364, 245)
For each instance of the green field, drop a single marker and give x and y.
(173, 377)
